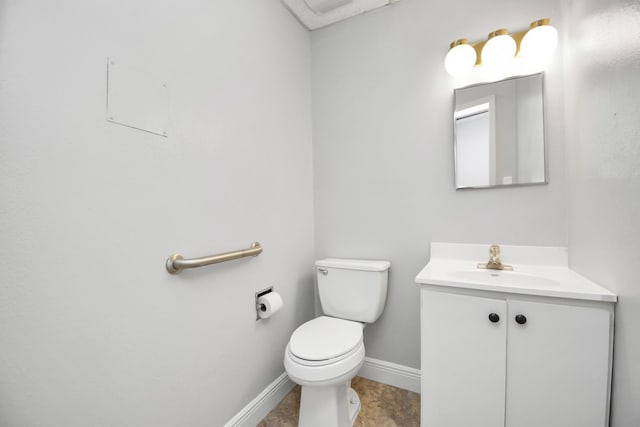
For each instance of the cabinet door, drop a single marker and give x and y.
(463, 360)
(557, 365)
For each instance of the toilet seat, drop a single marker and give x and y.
(324, 351)
(325, 340)
(320, 363)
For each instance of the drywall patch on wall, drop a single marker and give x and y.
(136, 98)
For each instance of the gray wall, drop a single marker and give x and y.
(603, 158)
(383, 151)
(93, 330)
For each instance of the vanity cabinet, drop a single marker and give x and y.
(493, 359)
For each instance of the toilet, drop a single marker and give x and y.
(324, 354)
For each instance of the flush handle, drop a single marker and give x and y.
(323, 271)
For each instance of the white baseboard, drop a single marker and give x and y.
(259, 407)
(393, 374)
(388, 373)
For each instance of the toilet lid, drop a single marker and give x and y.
(325, 338)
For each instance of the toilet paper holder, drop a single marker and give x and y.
(258, 295)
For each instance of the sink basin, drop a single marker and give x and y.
(498, 277)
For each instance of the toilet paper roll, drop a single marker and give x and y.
(269, 304)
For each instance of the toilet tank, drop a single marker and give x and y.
(352, 289)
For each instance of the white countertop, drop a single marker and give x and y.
(547, 273)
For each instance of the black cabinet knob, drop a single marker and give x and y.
(494, 318)
(521, 319)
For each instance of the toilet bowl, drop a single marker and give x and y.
(324, 354)
(324, 350)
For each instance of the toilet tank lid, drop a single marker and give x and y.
(354, 264)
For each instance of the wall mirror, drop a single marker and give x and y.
(499, 133)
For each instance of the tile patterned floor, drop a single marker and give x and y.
(382, 406)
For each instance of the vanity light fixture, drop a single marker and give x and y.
(536, 43)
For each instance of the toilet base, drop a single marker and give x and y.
(328, 406)
(354, 404)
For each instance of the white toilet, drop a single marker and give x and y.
(325, 353)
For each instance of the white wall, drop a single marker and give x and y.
(603, 158)
(93, 330)
(383, 151)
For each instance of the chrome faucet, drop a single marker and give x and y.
(494, 260)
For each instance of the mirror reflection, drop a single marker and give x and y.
(499, 133)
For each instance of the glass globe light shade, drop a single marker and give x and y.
(499, 49)
(540, 41)
(460, 59)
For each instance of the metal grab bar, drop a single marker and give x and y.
(176, 262)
